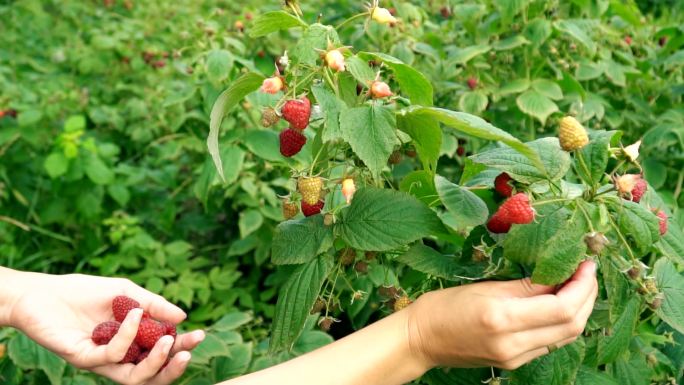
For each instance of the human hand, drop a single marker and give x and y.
(501, 324)
(60, 312)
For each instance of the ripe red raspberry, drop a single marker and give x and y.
(104, 332)
(169, 329)
(297, 112)
(516, 209)
(502, 185)
(497, 226)
(143, 354)
(149, 332)
(639, 190)
(472, 83)
(663, 222)
(132, 354)
(309, 210)
(121, 305)
(291, 142)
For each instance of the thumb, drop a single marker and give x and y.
(523, 288)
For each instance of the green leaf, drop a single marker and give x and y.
(672, 243)
(561, 255)
(310, 341)
(537, 31)
(264, 144)
(232, 321)
(314, 40)
(56, 164)
(612, 345)
(370, 130)
(240, 88)
(274, 21)
(381, 219)
(295, 300)
(595, 156)
(509, 8)
(548, 88)
(96, 170)
(211, 347)
(577, 32)
(234, 365)
(631, 371)
(426, 135)
(360, 70)
(299, 241)
(464, 205)
(426, 260)
(556, 162)
(588, 70)
(75, 123)
(464, 55)
(557, 368)
(420, 184)
(413, 84)
(614, 72)
(638, 223)
(671, 284)
(27, 355)
(473, 102)
(477, 127)
(536, 105)
(331, 107)
(510, 43)
(249, 222)
(570, 85)
(525, 243)
(119, 193)
(219, 64)
(590, 376)
(514, 87)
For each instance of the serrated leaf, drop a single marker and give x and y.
(295, 301)
(611, 346)
(639, 223)
(299, 241)
(211, 347)
(477, 127)
(525, 243)
(331, 107)
(672, 243)
(548, 88)
(420, 184)
(274, 21)
(671, 284)
(240, 88)
(232, 321)
(219, 64)
(557, 368)
(96, 170)
(473, 102)
(56, 164)
(631, 370)
(464, 55)
(249, 222)
(537, 31)
(595, 156)
(427, 260)
(314, 40)
(381, 219)
(413, 84)
(510, 43)
(561, 255)
(536, 105)
(588, 70)
(426, 135)
(590, 376)
(370, 130)
(514, 87)
(555, 161)
(468, 209)
(360, 70)
(577, 32)
(27, 355)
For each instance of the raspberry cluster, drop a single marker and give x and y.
(149, 331)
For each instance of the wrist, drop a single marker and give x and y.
(10, 293)
(417, 333)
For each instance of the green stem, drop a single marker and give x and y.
(541, 203)
(586, 216)
(622, 238)
(350, 19)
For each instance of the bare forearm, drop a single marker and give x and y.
(377, 355)
(9, 293)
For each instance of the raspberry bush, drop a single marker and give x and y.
(397, 228)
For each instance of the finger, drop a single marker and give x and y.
(521, 288)
(116, 349)
(158, 307)
(535, 339)
(188, 341)
(151, 365)
(173, 370)
(549, 309)
(531, 355)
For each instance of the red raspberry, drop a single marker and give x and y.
(497, 226)
(472, 83)
(663, 222)
(517, 209)
(132, 355)
(143, 354)
(309, 210)
(291, 142)
(121, 305)
(297, 112)
(169, 329)
(149, 332)
(104, 332)
(502, 185)
(639, 190)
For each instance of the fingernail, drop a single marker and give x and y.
(592, 267)
(136, 313)
(168, 344)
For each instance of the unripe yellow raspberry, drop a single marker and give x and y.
(401, 303)
(310, 188)
(572, 134)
